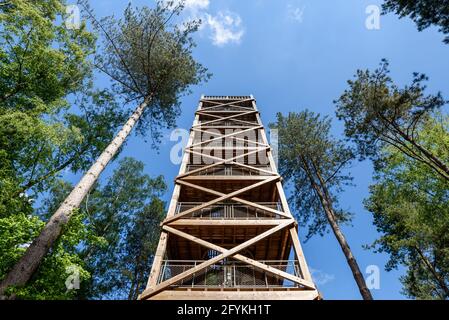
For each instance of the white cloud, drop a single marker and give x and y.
(193, 5)
(197, 4)
(295, 13)
(226, 28)
(321, 278)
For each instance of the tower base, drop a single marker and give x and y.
(196, 294)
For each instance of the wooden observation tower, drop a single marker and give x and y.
(229, 233)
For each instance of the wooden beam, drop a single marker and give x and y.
(237, 294)
(223, 136)
(242, 201)
(226, 222)
(163, 285)
(220, 136)
(221, 161)
(213, 115)
(261, 266)
(224, 104)
(224, 177)
(232, 104)
(300, 255)
(225, 118)
(222, 198)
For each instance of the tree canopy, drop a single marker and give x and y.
(424, 13)
(377, 113)
(149, 59)
(44, 68)
(148, 56)
(410, 206)
(305, 142)
(126, 213)
(314, 161)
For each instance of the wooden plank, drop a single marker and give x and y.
(224, 118)
(163, 285)
(224, 177)
(254, 127)
(157, 261)
(222, 198)
(231, 104)
(254, 168)
(245, 202)
(221, 161)
(254, 295)
(239, 114)
(226, 160)
(254, 263)
(224, 136)
(300, 256)
(224, 104)
(226, 222)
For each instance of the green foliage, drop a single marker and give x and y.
(42, 63)
(126, 213)
(51, 119)
(410, 206)
(307, 153)
(16, 232)
(53, 274)
(49, 282)
(110, 241)
(148, 57)
(424, 13)
(41, 60)
(377, 113)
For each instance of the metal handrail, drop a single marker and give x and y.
(230, 274)
(229, 211)
(223, 170)
(228, 124)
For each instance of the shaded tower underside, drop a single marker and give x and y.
(229, 233)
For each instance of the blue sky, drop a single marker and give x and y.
(292, 55)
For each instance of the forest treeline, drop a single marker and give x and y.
(55, 122)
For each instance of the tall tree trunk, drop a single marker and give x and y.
(358, 276)
(30, 261)
(326, 202)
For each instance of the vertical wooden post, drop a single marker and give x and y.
(239, 182)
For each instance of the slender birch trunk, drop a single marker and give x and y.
(24, 269)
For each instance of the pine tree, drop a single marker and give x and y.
(313, 161)
(150, 61)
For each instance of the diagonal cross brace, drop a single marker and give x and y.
(225, 136)
(217, 117)
(232, 137)
(222, 161)
(242, 258)
(163, 285)
(242, 201)
(222, 198)
(225, 104)
(225, 118)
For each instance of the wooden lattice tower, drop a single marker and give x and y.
(229, 233)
